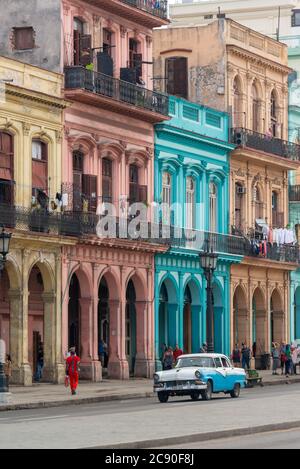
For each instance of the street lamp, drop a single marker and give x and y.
(208, 261)
(4, 248)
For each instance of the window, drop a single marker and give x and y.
(135, 58)
(78, 160)
(295, 18)
(39, 151)
(239, 193)
(107, 41)
(212, 207)
(166, 197)
(255, 109)
(176, 74)
(258, 204)
(106, 180)
(133, 183)
(24, 38)
(225, 363)
(190, 202)
(77, 179)
(273, 107)
(82, 44)
(6, 156)
(218, 362)
(238, 117)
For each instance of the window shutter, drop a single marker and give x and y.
(137, 64)
(143, 193)
(24, 38)
(7, 192)
(6, 156)
(76, 47)
(128, 74)
(89, 190)
(77, 190)
(85, 49)
(176, 73)
(105, 64)
(133, 192)
(39, 175)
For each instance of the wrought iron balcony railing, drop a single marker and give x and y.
(294, 193)
(155, 7)
(247, 138)
(100, 84)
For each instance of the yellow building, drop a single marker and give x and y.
(31, 126)
(246, 74)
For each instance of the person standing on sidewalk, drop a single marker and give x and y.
(246, 356)
(282, 357)
(236, 356)
(288, 362)
(276, 357)
(7, 369)
(72, 370)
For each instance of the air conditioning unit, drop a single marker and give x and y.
(241, 190)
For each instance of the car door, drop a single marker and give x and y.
(230, 373)
(220, 381)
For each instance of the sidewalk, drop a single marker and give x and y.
(51, 395)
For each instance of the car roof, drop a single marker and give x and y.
(203, 355)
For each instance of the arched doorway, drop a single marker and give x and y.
(259, 322)
(163, 318)
(297, 314)
(187, 321)
(74, 313)
(130, 326)
(103, 322)
(35, 317)
(5, 309)
(219, 326)
(240, 317)
(277, 318)
(168, 316)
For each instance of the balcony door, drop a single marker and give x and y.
(177, 76)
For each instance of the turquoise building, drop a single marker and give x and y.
(192, 170)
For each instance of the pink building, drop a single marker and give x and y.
(107, 285)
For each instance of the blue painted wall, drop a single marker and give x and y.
(193, 143)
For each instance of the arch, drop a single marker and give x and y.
(111, 150)
(113, 283)
(259, 322)
(84, 279)
(39, 282)
(238, 115)
(191, 315)
(277, 318)
(103, 322)
(195, 288)
(240, 316)
(171, 286)
(139, 285)
(131, 324)
(13, 272)
(219, 316)
(46, 272)
(84, 143)
(139, 157)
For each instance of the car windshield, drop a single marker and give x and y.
(198, 362)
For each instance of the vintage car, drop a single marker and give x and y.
(199, 374)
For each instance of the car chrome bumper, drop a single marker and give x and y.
(158, 387)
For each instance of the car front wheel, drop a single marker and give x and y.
(235, 393)
(163, 397)
(207, 394)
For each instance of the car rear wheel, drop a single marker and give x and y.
(163, 397)
(207, 394)
(235, 393)
(195, 395)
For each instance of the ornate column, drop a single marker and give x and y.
(118, 364)
(49, 371)
(86, 367)
(96, 364)
(21, 370)
(180, 312)
(143, 365)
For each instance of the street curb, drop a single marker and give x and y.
(108, 398)
(201, 437)
(80, 401)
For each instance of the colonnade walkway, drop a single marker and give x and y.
(53, 395)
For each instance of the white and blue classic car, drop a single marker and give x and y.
(199, 375)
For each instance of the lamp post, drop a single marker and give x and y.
(208, 261)
(4, 249)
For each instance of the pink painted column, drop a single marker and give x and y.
(64, 307)
(144, 366)
(97, 368)
(117, 365)
(86, 367)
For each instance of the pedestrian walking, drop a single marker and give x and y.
(288, 361)
(168, 359)
(276, 357)
(282, 357)
(8, 369)
(40, 362)
(246, 356)
(204, 348)
(295, 352)
(177, 352)
(72, 369)
(236, 356)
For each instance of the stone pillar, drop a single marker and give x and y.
(86, 365)
(21, 370)
(49, 337)
(117, 365)
(97, 367)
(144, 366)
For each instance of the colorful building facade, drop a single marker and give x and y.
(192, 170)
(246, 74)
(31, 126)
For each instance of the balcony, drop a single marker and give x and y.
(275, 146)
(115, 95)
(148, 13)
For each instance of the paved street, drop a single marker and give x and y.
(123, 422)
(287, 439)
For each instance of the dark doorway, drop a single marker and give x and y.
(74, 314)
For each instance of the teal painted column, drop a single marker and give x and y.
(196, 328)
(158, 365)
(292, 310)
(172, 325)
(180, 311)
(227, 315)
(218, 329)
